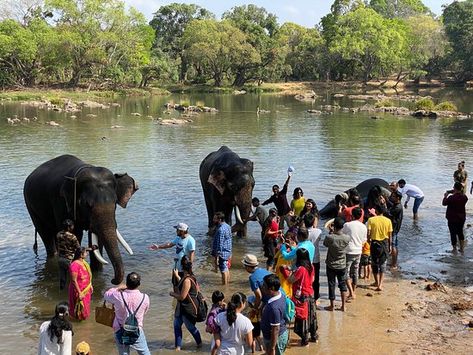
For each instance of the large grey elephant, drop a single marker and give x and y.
(66, 187)
(227, 181)
(363, 188)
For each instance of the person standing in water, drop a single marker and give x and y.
(279, 199)
(455, 200)
(460, 175)
(411, 191)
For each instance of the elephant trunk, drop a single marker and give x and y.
(104, 226)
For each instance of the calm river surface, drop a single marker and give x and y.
(330, 153)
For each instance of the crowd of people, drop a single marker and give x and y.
(285, 293)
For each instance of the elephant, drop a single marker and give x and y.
(227, 181)
(363, 188)
(66, 187)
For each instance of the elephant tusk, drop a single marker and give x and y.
(97, 254)
(238, 215)
(124, 243)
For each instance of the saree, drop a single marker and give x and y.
(80, 309)
(285, 285)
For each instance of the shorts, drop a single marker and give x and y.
(269, 248)
(365, 260)
(394, 240)
(379, 268)
(256, 329)
(224, 265)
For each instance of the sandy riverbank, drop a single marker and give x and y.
(404, 318)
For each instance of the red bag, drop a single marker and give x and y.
(302, 308)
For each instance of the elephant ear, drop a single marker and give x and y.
(217, 179)
(126, 187)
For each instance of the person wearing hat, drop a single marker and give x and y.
(257, 274)
(395, 214)
(82, 348)
(184, 243)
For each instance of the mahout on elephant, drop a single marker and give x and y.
(66, 187)
(366, 189)
(227, 182)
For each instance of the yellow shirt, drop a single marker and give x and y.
(297, 205)
(379, 227)
(366, 249)
(285, 285)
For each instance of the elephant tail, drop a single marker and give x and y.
(35, 245)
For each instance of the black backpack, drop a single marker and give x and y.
(130, 331)
(197, 307)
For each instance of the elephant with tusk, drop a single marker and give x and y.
(227, 181)
(66, 187)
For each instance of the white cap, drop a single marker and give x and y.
(182, 227)
(290, 169)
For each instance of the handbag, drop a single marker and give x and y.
(105, 315)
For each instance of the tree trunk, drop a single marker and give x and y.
(240, 79)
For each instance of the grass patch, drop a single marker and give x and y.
(384, 103)
(425, 103)
(446, 106)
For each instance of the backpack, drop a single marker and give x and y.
(290, 311)
(130, 331)
(197, 307)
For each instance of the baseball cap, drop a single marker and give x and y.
(182, 227)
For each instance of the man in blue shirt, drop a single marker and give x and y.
(222, 246)
(184, 243)
(273, 324)
(303, 243)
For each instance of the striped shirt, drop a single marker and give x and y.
(133, 299)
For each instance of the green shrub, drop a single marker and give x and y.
(425, 103)
(385, 103)
(446, 106)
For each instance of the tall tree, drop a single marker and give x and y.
(260, 27)
(458, 20)
(375, 44)
(217, 47)
(169, 23)
(399, 8)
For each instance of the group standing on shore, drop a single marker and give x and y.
(361, 239)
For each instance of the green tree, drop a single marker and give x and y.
(427, 45)
(399, 8)
(100, 40)
(260, 28)
(18, 50)
(169, 23)
(217, 47)
(374, 44)
(458, 20)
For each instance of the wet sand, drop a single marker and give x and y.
(404, 318)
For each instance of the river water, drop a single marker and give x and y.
(330, 153)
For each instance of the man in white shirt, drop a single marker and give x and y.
(411, 191)
(358, 234)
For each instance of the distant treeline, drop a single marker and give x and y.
(102, 44)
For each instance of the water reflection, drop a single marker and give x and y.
(330, 153)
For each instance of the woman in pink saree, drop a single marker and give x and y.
(80, 288)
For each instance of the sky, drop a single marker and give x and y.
(303, 12)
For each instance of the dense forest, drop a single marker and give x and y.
(104, 44)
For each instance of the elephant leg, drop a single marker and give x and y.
(47, 236)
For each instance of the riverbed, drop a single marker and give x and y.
(330, 153)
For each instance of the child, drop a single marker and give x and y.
(270, 238)
(365, 262)
(255, 317)
(218, 306)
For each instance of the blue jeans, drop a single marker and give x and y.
(141, 346)
(178, 320)
(417, 203)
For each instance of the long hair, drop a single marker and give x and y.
(238, 299)
(78, 253)
(59, 322)
(314, 210)
(303, 259)
(187, 265)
